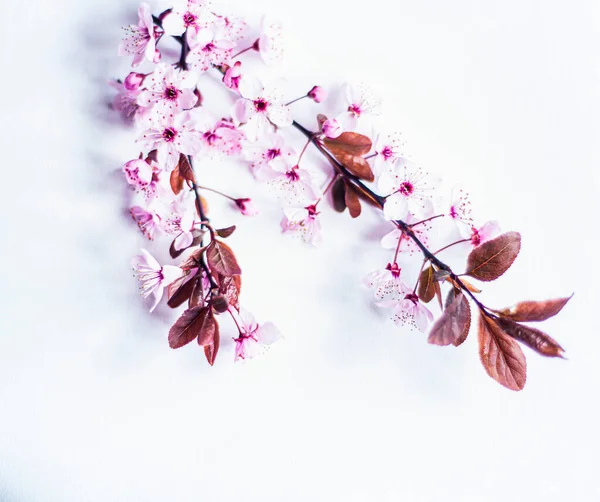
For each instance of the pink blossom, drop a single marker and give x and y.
(235, 28)
(143, 176)
(153, 277)
(141, 39)
(180, 221)
(389, 150)
(304, 222)
(270, 156)
(187, 14)
(317, 94)
(261, 103)
(171, 136)
(332, 128)
(232, 76)
(294, 185)
(209, 46)
(408, 310)
(361, 101)
(134, 81)
(412, 312)
(460, 207)
(387, 283)
(220, 136)
(247, 207)
(147, 220)
(253, 338)
(484, 233)
(408, 190)
(125, 101)
(270, 44)
(169, 89)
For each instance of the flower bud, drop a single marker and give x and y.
(332, 128)
(246, 206)
(317, 94)
(134, 81)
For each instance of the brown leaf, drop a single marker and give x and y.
(338, 195)
(187, 327)
(426, 290)
(225, 232)
(202, 207)
(535, 311)
(197, 296)
(501, 355)
(494, 257)
(219, 303)
(185, 168)
(349, 143)
(453, 322)
(352, 201)
(356, 165)
(221, 259)
(469, 286)
(176, 181)
(230, 287)
(534, 338)
(193, 260)
(210, 351)
(208, 329)
(463, 336)
(180, 290)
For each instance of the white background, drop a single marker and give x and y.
(501, 96)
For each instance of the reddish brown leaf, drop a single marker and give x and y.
(197, 296)
(185, 168)
(210, 351)
(453, 322)
(534, 338)
(187, 327)
(438, 293)
(348, 143)
(193, 260)
(356, 165)
(469, 286)
(225, 232)
(352, 201)
(535, 311)
(208, 329)
(230, 287)
(180, 290)
(202, 207)
(221, 259)
(219, 303)
(176, 181)
(494, 257)
(426, 290)
(338, 195)
(501, 355)
(463, 336)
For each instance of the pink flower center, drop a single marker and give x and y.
(272, 153)
(355, 109)
(260, 105)
(189, 19)
(293, 175)
(387, 153)
(394, 269)
(209, 47)
(453, 213)
(475, 237)
(210, 137)
(171, 93)
(406, 188)
(169, 134)
(312, 210)
(412, 297)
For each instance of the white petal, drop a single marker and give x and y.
(390, 241)
(280, 115)
(170, 274)
(250, 87)
(173, 24)
(395, 207)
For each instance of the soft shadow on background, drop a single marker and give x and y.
(503, 98)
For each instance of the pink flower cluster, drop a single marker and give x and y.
(166, 107)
